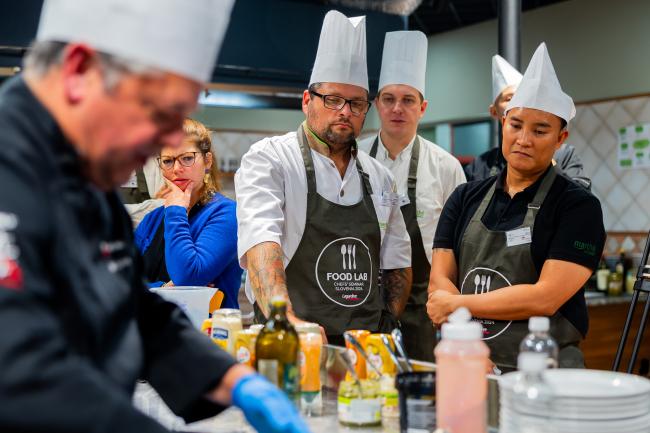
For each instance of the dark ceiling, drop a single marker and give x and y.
(437, 16)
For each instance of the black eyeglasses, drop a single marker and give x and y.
(186, 159)
(333, 102)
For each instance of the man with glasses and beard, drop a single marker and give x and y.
(318, 219)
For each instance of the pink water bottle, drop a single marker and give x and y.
(461, 381)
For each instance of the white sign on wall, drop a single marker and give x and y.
(634, 146)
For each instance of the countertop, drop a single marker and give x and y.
(595, 299)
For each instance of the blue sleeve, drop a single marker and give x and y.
(147, 229)
(198, 262)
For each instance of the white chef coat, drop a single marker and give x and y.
(439, 173)
(271, 191)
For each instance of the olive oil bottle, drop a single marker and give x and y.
(276, 350)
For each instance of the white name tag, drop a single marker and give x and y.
(518, 237)
(389, 198)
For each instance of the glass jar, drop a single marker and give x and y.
(311, 343)
(225, 323)
(359, 407)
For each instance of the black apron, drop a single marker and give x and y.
(487, 263)
(417, 329)
(332, 276)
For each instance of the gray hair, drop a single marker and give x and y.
(43, 55)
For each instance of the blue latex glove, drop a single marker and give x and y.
(266, 407)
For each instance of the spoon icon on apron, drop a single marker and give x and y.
(343, 255)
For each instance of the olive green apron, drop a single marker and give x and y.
(417, 329)
(488, 263)
(332, 277)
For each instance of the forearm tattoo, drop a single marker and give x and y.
(397, 287)
(266, 273)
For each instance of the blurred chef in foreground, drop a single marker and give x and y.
(522, 243)
(106, 85)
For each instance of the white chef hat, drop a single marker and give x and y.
(503, 75)
(341, 56)
(540, 88)
(404, 60)
(179, 36)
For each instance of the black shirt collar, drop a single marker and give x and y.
(528, 192)
(44, 129)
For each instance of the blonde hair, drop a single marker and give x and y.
(196, 133)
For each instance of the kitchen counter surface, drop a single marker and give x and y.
(232, 420)
(597, 299)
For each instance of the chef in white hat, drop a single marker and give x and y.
(106, 85)
(522, 243)
(505, 79)
(425, 174)
(318, 219)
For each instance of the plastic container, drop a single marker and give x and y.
(359, 407)
(357, 359)
(540, 341)
(417, 401)
(532, 395)
(461, 381)
(311, 344)
(225, 323)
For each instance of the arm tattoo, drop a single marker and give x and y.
(397, 288)
(266, 273)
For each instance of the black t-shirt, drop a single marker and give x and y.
(569, 226)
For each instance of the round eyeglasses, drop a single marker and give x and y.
(186, 159)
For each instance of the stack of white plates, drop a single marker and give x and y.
(584, 401)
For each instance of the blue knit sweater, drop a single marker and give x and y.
(200, 251)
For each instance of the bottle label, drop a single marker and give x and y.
(359, 411)
(291, 379)
(243, 355)
(420, 415)
(269, 369)
(219, 333)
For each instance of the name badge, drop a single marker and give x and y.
(519, 237)
(389, 198)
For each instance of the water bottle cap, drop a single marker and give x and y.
(461, 327)
(531, 362)
(538, 324)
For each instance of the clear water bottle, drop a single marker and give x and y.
(533, 397)
(540, 341)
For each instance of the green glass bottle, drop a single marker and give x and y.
(276, 350)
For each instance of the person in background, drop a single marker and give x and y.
(105, 86)
(425, 174)
(505, 80)
(317, 218)
(522, 243)
(192, 239)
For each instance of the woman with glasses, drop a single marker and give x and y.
(192, 239)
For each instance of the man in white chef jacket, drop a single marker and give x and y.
(425, 174)
(318, 219)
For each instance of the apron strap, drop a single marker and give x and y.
(413, 170)
(307, 159)
(373, 149)
(540, 195)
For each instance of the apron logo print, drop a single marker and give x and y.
(349, 253)
(482, 280)
(344, 271)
